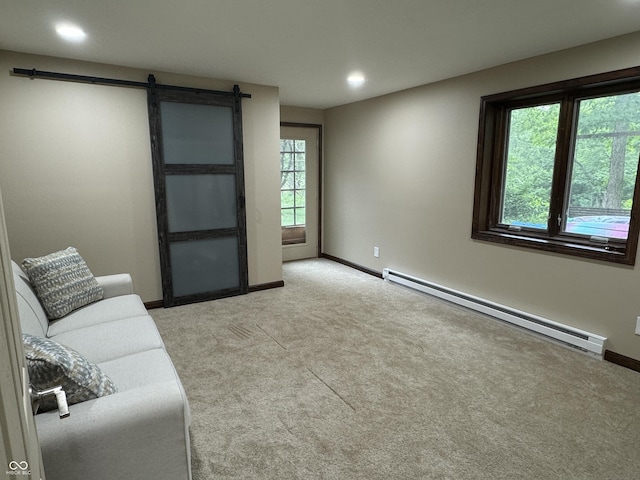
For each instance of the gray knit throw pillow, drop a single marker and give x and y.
(62, 281)
(51, 364)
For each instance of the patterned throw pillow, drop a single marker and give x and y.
(62, 281)
(51, 364)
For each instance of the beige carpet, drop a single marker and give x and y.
(340, 375)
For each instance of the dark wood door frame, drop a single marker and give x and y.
(318, 127)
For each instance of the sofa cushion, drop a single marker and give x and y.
(115, 339)
(140, 369)
(62, 281)
(51, 364)
(104, 311)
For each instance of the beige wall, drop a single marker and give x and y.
(399, 174)
(301, 115)
(75, 169)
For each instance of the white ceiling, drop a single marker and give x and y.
(308, 47)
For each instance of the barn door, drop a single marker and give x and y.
(196, 143)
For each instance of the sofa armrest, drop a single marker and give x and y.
(116, 285)
(140, 433)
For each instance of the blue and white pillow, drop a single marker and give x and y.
(62, 281)
(51, 364)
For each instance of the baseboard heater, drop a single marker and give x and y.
(584, 341)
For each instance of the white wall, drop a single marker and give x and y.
(75, 169)
(399, 174)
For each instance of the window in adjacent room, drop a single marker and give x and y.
(293, 190)
(557, 167)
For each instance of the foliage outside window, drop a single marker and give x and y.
(557, 167)
(293, 182)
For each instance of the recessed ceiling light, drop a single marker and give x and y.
(356, 79)
(71, 33)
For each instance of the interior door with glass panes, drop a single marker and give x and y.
(299, 184)
(199, 182)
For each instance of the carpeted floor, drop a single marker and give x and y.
(340, 375)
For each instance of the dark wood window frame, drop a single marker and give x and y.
(489, 179)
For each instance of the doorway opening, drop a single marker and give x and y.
(300, 153)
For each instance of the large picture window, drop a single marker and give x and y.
(557, 167)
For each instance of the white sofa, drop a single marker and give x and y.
(141, 431)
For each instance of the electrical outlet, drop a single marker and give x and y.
(376, 252)
(638, 326)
